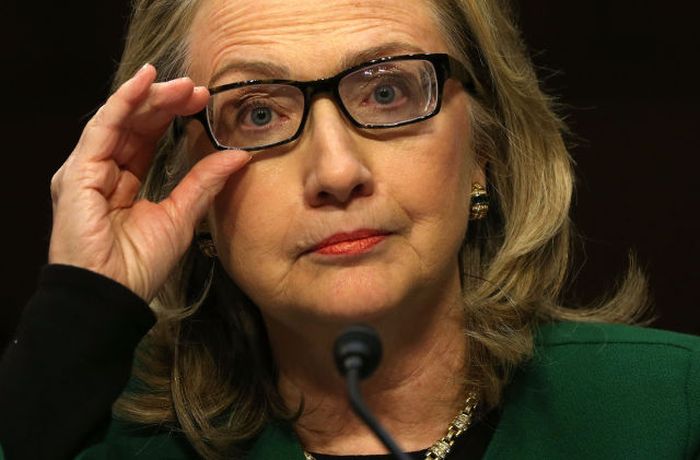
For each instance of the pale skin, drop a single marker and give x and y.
(412, 183)
(97, 223)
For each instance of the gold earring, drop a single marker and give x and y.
(479, 202)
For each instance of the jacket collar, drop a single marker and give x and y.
(277, 441)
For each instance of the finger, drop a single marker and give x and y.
(103, 132)
(165, 101)
(193, 196)
(125, 191)
(179, 97)
(100, 176)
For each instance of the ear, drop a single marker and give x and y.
(478, 174)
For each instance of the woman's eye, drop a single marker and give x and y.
(257, 116)
(384, 94)
(260, 116)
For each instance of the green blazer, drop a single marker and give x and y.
(591, 391)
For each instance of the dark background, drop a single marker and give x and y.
(624, 69)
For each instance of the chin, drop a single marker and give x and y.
(347, 295)
(351, 302)
(358, 309)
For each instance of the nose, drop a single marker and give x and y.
(336, 168)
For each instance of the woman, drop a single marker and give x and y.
(403, 171)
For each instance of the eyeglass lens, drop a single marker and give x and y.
(379, 95)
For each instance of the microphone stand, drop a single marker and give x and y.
(357, 354)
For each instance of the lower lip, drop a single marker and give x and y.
(351, 247)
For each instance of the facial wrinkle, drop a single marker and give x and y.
(231, 28)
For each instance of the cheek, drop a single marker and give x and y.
(435, 192)
(440, 172)
(227, 211)
(249, 219)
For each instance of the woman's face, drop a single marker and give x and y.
(344, 223)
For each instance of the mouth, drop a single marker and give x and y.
(352, 243)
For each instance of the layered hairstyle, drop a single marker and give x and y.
(206, 369)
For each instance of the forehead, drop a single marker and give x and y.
(310, 38)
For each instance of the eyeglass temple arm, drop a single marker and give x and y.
(458, 71)
(178, 124)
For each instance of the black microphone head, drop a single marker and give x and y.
(358, 347)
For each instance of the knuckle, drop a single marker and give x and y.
(56, 178)
(83, 175)
(99, 118)
(59, 176)
(91, 172)
(56, 184)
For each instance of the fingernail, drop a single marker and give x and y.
(241, 154)
(142, 69)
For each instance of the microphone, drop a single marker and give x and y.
(357, 352)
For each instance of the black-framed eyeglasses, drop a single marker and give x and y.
(382, 93)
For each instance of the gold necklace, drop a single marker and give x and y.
(459, 425)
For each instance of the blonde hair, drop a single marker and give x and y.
(208, 371)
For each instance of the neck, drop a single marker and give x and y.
(415, 393)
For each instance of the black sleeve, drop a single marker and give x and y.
(70, 359)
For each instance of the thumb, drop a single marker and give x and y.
(190, 200)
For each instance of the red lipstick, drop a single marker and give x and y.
(357, 242)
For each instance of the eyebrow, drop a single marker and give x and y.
(265, 69)
(375, 52)
(257, 68)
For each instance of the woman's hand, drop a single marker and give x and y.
(98, 224)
